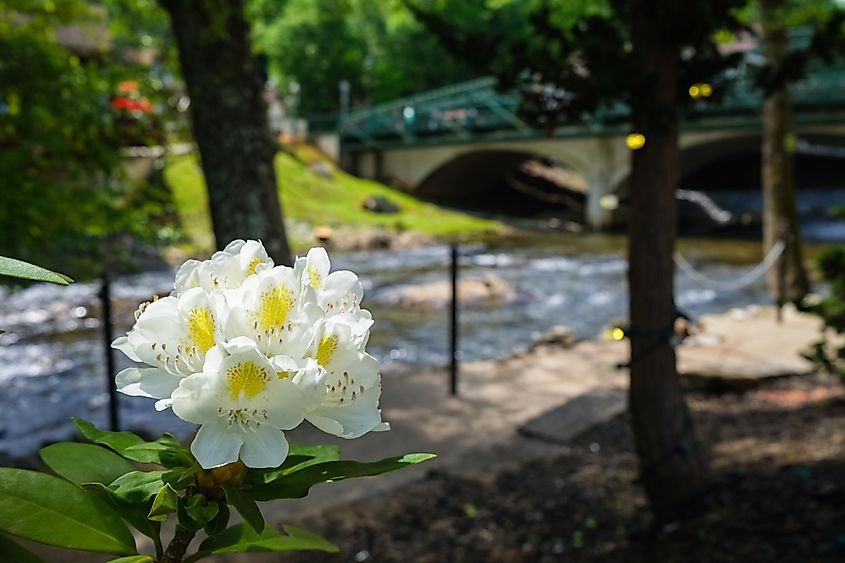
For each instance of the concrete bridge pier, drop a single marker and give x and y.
(607, 167)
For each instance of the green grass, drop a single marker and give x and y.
(310, 200)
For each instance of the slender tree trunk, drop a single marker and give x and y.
(229, 120)
(780, 214)
(672, 467)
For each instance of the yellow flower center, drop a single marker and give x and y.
(274, 307)
(252, 266)
(326, 349)
(316, 278)
(246, 378)
(201, 328)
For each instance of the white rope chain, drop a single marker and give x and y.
(739, 283)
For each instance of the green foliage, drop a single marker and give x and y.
(376, 45)
(831, 309)
(24, 270)
(297, 483)
(166, 502)
(53, 511)
(245, 506)
(241, 538)
(84, 463)
(166, 451)
(64, 192)
(99, 487)
(567, 57)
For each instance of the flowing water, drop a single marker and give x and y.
(51, 353)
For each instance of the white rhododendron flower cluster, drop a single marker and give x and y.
(247, 350)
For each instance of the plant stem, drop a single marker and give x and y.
(178, 545)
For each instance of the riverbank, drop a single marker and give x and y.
(320, 201)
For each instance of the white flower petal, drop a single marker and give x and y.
(195, 399)
(341, 293)
(264, 447)
(153, 383)
(187, 277)
(350, 419)
(316, 268)
(215, 445)
(240, 345)
(122, 343)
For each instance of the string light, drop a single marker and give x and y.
(700, 90)
(609, 202)
(635, 141)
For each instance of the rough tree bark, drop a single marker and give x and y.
(672, 467)
(780, 214)
(229, 121)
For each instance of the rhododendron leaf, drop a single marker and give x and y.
(196, 512)
(84, 463)
(166, 451)
(242, 537)
(298, 483)
(50, 510)
(165, 503)
(13, 268)
(245, 506)
(139, 486)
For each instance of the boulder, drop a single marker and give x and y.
(380, 204)
(486, 291)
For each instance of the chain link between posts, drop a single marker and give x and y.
(745, 280)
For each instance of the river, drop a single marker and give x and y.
(51, 352)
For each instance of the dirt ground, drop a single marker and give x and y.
(777, 495)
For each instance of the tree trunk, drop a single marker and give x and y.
(229, 121)
(780, 214)
(672, 467)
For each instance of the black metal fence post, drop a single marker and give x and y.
(453, 325)
(105, 302)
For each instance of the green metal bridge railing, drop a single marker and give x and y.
(476, 110)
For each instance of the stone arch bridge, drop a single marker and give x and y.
(455, 141)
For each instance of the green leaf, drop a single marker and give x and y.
(164, 504)
(218, 524)
(133, 514)
(298, 483)
(241, 538)
(299, 457)
(166, 451)
(134, 559)
(322, 452)
(24, 270)
(196, 512)
(139, 486)
(245, 506)
(50, 510)
(168, 448)
(84, 463)
(15, 553)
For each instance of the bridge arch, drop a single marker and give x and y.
(510, 181)
(735, 162)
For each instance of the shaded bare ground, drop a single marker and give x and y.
(777, 494)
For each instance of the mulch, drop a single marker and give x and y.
(777, 494)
